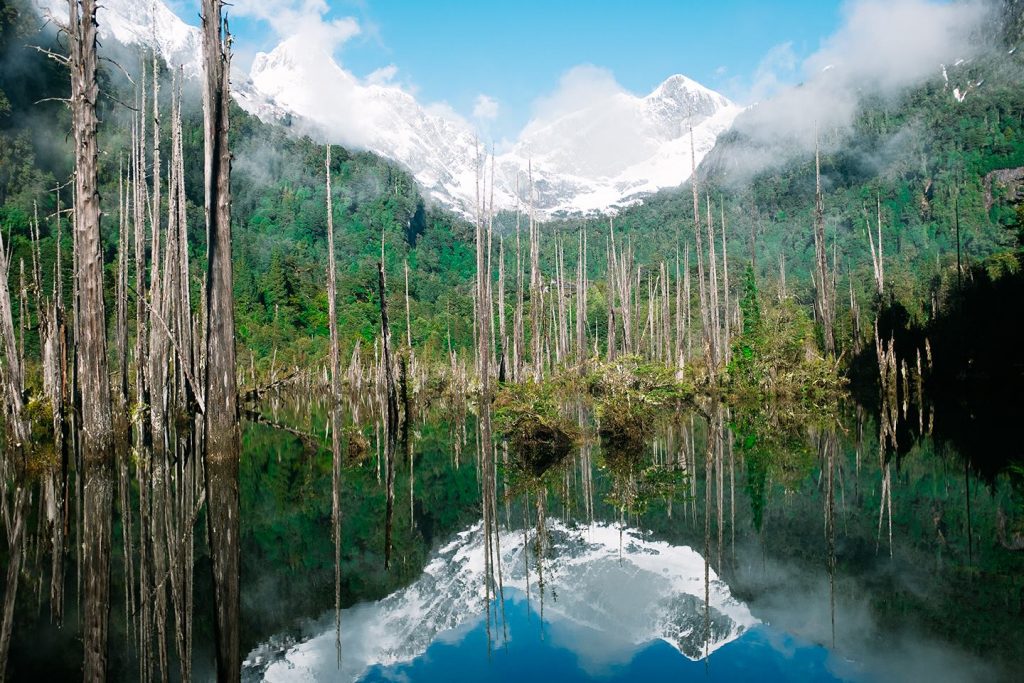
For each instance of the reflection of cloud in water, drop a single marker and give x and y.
(795, 600)
(651, 591)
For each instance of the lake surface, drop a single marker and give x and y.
(728, 546)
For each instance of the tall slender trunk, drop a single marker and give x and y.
(822, 280)
(91, 341)
(725, 292)
(335, 402)
(705, 318)
(536, 291)
(222, 437)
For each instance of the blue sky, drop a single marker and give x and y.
(453, 51)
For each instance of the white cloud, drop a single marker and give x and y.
(304, 18)
(776, 70)
(445, 111)
(892, 43)
(882, 47)
(382, 76)
(580, 87)
(485, 108)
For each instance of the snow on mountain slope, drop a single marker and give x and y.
(584, 570)
(593, 157)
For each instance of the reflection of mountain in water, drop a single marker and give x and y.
(630, 589)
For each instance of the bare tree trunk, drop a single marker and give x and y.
(536, 291)
(726, 347)
(502, 337)
(688, 301)
(715, 310)
(332, 287)
(518, 337)
(877, 262)
(222, 438)
(824, 296)
(581, 300)
(93, 376)
(705, 318)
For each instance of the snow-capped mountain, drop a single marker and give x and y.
(601, 154)
(584, 569)
(604, 153)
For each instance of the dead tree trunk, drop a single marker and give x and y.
(822, 280)
(581, 301)
(877, 262)
(518, 338)
(332, 287)
(705, 318)
(536, 292)
(91, 340)
(222, 438)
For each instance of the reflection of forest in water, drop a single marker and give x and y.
(870, 536)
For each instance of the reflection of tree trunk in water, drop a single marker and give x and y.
(336, 517)
(719, 477)
(157, 535)
(732, 498)
(692, 456)
(15, 522)
(125, 510)
(886, 434)
(709, 465)
(403, 383)
(541, 547)
(967, 500)
(391, 431)
(526, 546)
(829, 446)
(97, 512)
(586, 473)
(182, 508)
(222, 516)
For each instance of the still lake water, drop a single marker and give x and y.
(779, 551)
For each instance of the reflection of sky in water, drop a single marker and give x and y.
(561, 650)
(628, 609)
